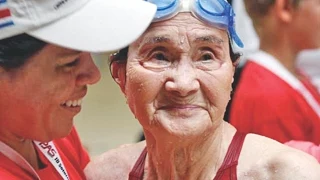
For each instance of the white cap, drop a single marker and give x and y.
(84, 25)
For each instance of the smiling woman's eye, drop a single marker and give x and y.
(72, 63)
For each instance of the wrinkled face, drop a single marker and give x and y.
(40, 99)
(307, 24)
(178, 76)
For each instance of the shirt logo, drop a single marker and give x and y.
(50, 151)
(60, 3)
(5, 15)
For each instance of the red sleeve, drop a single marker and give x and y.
(262, 115)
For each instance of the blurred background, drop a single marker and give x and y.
(105, 121)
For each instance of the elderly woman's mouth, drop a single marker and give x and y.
(179, 107)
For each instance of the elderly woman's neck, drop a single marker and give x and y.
(200, 158)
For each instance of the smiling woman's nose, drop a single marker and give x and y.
(89, 72)
(183, 80)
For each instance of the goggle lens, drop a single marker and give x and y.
(163, 4)
(214, 12)
(165, 9)
(212, 7)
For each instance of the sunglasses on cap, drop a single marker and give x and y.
(217, 13)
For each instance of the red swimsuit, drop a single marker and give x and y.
(227, 171)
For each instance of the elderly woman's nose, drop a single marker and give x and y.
(183, 79)
(88, 72)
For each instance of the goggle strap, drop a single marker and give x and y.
(235, 37)
(185, 6)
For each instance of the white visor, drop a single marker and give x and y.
(96, 26)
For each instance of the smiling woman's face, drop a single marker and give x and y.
(178, 76)
(40, 99)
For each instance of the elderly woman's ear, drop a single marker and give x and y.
(118, 72)
(236, 62)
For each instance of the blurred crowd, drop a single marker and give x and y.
(277, 94)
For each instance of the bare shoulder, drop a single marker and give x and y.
(114, 164)
(295, 164)
(270, 159)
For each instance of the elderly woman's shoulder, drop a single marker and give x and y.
(270, 159)
(114, 163)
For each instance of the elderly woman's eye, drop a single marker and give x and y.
(157, 61)
(206, 54)
(160, 56)
(206, 57)
(207, 61)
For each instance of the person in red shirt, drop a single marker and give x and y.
(307, 147)
(273, 98)
(45, 68)
(177, 78)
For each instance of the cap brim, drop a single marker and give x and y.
(99, 26)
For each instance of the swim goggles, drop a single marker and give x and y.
(217, 13)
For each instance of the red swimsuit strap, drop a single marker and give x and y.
(232, 156)
(138, 169)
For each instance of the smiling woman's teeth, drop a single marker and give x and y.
(73, 103)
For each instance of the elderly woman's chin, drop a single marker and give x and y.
(189, 124)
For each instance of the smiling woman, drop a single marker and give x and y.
(42, 111)
(45, 68)
(177, 81)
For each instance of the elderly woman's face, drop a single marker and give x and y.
(179, 75)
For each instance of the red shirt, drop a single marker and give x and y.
(74, 157)
(266, 104)
(308, 147)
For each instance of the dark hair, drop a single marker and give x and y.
(16, 50)
(122, 55)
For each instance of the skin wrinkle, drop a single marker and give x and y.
(190, 162)
(155, 40)
(148, 40)
(209, 39)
